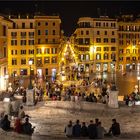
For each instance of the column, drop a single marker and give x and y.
(101, 65)
(113, 99)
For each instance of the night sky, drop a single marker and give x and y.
(70, 11)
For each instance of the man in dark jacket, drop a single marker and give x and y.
(27, 127)
(115, 128)
(77, 129)
(5, 123)
(92, 130)
(84, 131)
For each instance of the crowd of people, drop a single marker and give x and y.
(132, 98)
(94, 130)
(81, 92)
(19, 124)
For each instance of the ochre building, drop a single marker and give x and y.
(33, 38)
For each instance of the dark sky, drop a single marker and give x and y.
(70, 11)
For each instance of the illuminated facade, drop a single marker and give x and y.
(129, 43)
(95, 40)
(21, 46)
(35, 38)
(4, 24)
(47, 41)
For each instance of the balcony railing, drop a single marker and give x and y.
(39, 65)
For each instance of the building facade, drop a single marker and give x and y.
(129, 43)
(4, 25)
(21, 48)
(35, 39)
(47, 41)
(95, 40)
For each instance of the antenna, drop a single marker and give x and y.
(99, 12)
(36, 9)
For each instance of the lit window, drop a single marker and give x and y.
(39, 51)
(22, 42)
(13, 42)
(46, 60)
(14, 61)
(54, 60)
(23, 61)
(54, 50)
(47, 50)
(31, 42)
(98, 56)
(105, 40)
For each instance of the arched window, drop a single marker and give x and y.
(105, 56)
(98, 56)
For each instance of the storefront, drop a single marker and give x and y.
(98, 67)
(81, 68)
(105, 67)
(23, 71)
(128, 67)
(53, 74)
(121, 67)
(138, 67)
(39, 72)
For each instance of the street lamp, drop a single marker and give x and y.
(93, 55)
(138, 83)
(114, 65)
(30, 84)
(6, 78)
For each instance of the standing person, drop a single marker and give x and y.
(84, 130)
(100, 131)
(115, 128)
(69, 129)
(92, 130)
(77, 129)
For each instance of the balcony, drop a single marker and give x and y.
(3, 60)
(14, 37)
(39, 65)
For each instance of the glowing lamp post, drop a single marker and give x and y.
(138, 83)
(30, 96)
(30, 84)
(114, 65)
(6, 78)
